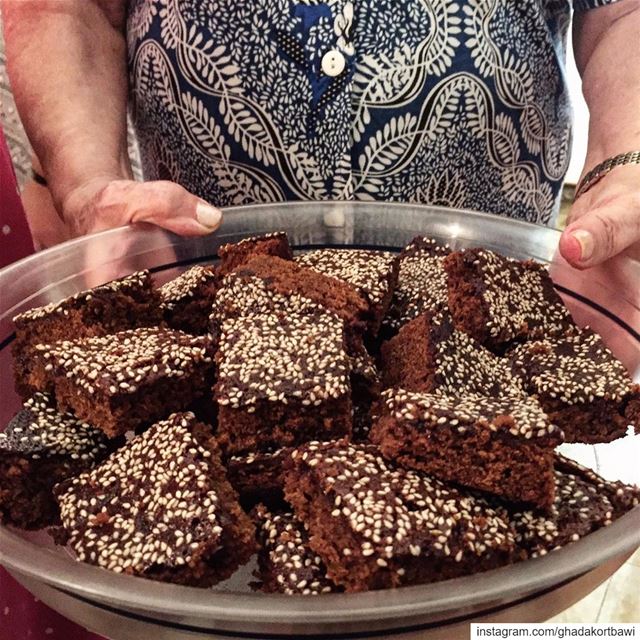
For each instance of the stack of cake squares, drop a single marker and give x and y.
(359, 419)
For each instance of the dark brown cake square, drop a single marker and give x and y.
(118, 305)
(160, 507)
(580, 384)
(39, 448)
(430, 355)
(186, 301)
(366, 385)
(623, 497)
(283, 379)
(374, 274)
(498, 300)
(259, 477)
(421, 286)
(236, 254)
(126, 380)
(241, 296)
(286, 562)
(375, 526)
(584, 502)
(503, 446)
(286, 279)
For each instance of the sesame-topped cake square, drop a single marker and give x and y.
(580, 384)
(186, 301)
(498, 300)
(429, 354)
(287, 564)
(160, 507)
(233, 255)
(283, 379)
(241, 295)
(377, 526)
(422, 283)
(503, 446)
(39, 448)
(584, 502)
(258, 477)
(373, 273)
(289, 279)
(118, 305)
(623, 497)
(126, 380)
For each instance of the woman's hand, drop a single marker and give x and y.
(104, 203)
(68, 69)
(605, 221)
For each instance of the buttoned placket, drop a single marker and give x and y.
(334, 64)
(321, 45)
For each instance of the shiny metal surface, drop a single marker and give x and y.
(127, 607)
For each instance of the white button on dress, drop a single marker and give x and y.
(333, 63)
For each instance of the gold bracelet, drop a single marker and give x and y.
(597, 173)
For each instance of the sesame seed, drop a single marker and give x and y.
(139, 484)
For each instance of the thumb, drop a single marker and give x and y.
(600, 234)
(118, 202)
(172, 207)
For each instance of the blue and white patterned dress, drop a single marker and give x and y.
(451, 103)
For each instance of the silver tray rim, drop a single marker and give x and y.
(133, 593)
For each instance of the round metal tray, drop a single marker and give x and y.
(126, 607)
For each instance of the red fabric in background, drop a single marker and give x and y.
(22, 617)
(15, 238)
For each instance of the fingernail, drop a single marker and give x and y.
(207, 215)
(585, 240)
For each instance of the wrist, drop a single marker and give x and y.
(75, 158)
(591, 176)
(598, 154)
(611, 141)
(69, 184)
(79, 206)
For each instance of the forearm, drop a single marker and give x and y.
(67, 64)
(607, 48)
(604, 221)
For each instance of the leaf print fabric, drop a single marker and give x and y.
(460, 104)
